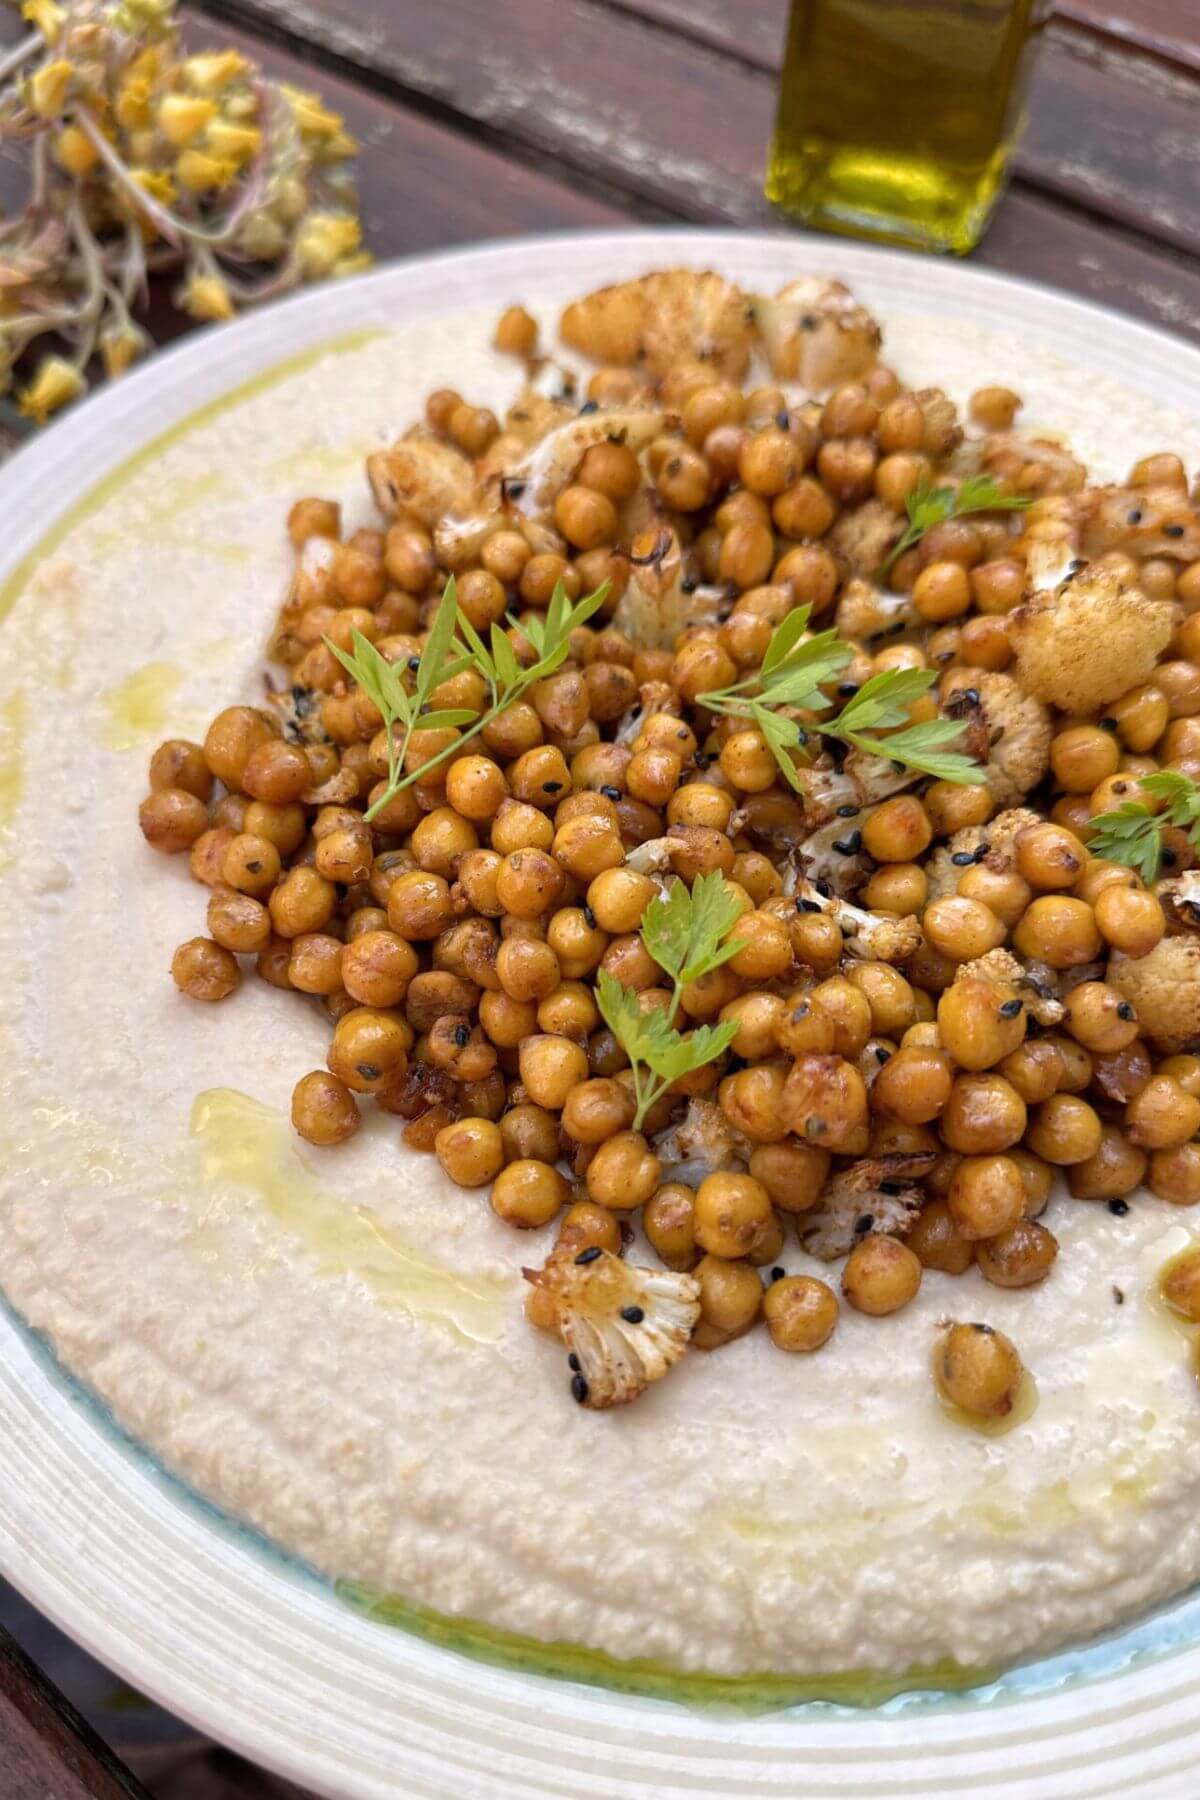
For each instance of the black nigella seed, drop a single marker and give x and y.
(847, 689)
(971, 696)
(980, 852)
(1170, 858)
(863, 1224)
(368, 1071)
(462, 1036)
(962, 858)
(688, 585)
(823, 888)
(611, 793)
(632, 1315)
(783, 420)
(1010, 1008)
(589, 406)
(849, 846)
(589, 1255)
(1173, 531)
(254, 867)
(589, 917)
(1118, 1294)
(882, 1053)
(1135, 517)
(1108, 724)
(414, 663)
(778, 1273)
(635, 711)
(1124, 1010)
(891, 1187)
(573, 1362)
(551, 787)
(809, 906)
(987, 1330)
(513, 489)
(848, 812)
(579, 1389)
(1118, 1207)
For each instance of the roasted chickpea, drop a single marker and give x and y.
(315, 963)
(980, 1023)
(914, 1085)
(977, 1369)
(528, 969)
(204, 970)
(987, 1196)
(881, 1275)
(471, 1151)
(303, 901)
(624, 1172)
(586, 1226)
(1115, 1168)
(475, 787)
(899, 888)
(1049, 857)
(897, 831)
(800, 1313)
(1100, 1018)
(984, 1115)
(731, 1298)
(731, 1212)
(961, 929)
(232, 738)
(345, 854)
(1060, 930)
(1129, 919)
(419, 904)
(1035, 1068)
(251, 865)
(550, 1067)
(750, 1100)
(1064, 1130)
(1163, 1115)
(323, 1109)
(377, 967)
(597, 1110)
(173, 820)
(527, 1193)
(1175, 1174)
(936, 1241)
(1082, 756)
(825, 1104)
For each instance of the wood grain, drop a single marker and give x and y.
(47, 1752)
(683, 129)
(1169, 28)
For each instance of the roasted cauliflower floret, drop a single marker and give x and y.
(1017, 726)
(544, 469)
(865, 611)
(703, 1140)
(1090, 640)
(423, 478)
(1164, 989)
(1034, 464)
(877, 936)
(943, 433)
(872, 1195)
(672, 316)
(627, 1326)
(1141, 522)
(1036, 984)
(815, 332)
(1000, 837)
(1180, 899)
(862, 538)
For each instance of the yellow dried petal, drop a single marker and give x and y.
(206, 297)
(323, 240)
(182, 117)
(340, 145)
(48, 88)
(208, 73)
(46, 16)
(120, 345)
(157, 183)
(55, 382)
(147, 65)
(74, 151)
(312, 116)
(201, 173)
(133, 103)
(354, 265)
(239, 142)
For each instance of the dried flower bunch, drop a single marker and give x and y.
(144, 158)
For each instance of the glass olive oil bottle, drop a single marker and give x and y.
(897, 117)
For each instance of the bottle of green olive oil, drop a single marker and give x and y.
(897, 117)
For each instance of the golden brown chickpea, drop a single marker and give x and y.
(504, 555)
(585, 517)
(1082, 756)
(377, 967)
(961, 929)
(251, 864)
(473, 428)
(178, 763)
(1100, 1018)
(800, 1313)
(756, 1015)
(995, 408)
(825, 1103)
(1006, 893)
(952, 805)
(530, 1134)
(419, 904)
(731, 1298)
(793, 1174)
(750, 1101)
(898, 888)
(571, 1011)
(172, 820)
(624, 1172)
(941, 591)
(1184, 1069)
(1049, 857)
(578, 946)
(314, 518)
(618, 898)
(766, 948)
(345, 854)
(997, 587)
(731, 1211)
(539, 778)
(207, 855)
(528, 883)
(1115, 1168)
(1038, 1177)
(1035, 1068)
(889, 996)
(1141, 716)
(475, 787)
(668, 1221)
(1064, 1130)
(1019, 1257)
(586, 1226)
(550, 1067)
(1162, 1115)
(1179, 1285)
(323, 1109)
(528, 1194)
(597, 1110)
(770, 460)
(937, 1243)
(1129, 919)
(516, 332)
(881, 1275)
(914, 1085)
(1175, 1174)
(370, 1049)
(232, 738)
(847, 467)
(1060, 930)
(850, 1010)
(303, 901)
(984, 1115)
(987, 1196)
(272, 963)
(471, 1151)
(898, 831)
(204, 970)
(977, 1369)
(747, 552)
(315, 964)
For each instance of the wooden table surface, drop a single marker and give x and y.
(485, 118)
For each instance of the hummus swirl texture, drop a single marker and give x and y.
(332, 1348)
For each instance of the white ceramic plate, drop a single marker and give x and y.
(257, 1652)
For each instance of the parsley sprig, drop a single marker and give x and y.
(453, 645)
(928, 506)
(685, 933)
(792, 676)
(1132, 834)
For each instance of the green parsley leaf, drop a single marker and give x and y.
(881, 704)
(653, 1046)
(1132, 834)
(684, 931)
(927, 506)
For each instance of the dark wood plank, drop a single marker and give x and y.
(682, 129)
(47, 1752)
(1169, 28)
(1110, 129)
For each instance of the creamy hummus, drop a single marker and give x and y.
(332, 1346)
